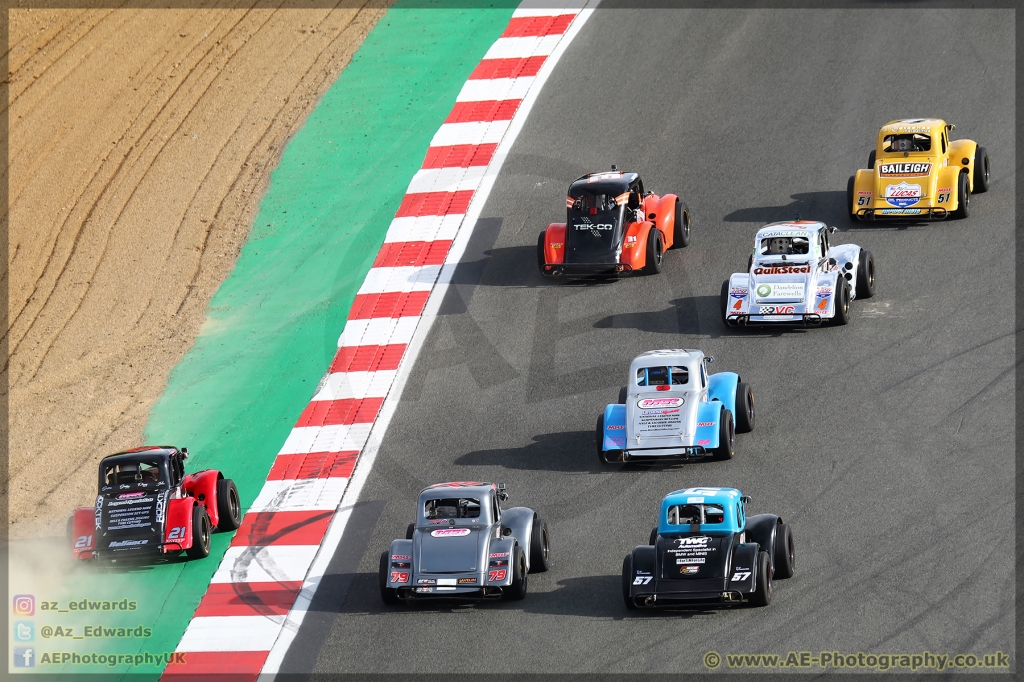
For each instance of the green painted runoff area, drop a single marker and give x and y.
(272, 327)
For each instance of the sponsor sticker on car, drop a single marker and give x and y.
(467, 581)
(697, 500)
(659, 403)
(689, 570)
(699, 424)
(900, 211)
(498, 555)
(783, 270)
(904, 170)
(903, 194)
(768, 291)
(449, 532)
(777, 310)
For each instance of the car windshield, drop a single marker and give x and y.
(452, 508)
(662, 376)
(907, 142)
(777, 246)
(131, 473)
(686, 514)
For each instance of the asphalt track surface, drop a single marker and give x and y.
(886, 444)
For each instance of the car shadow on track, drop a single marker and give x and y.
(699, 315)
(569, 451)
(515, 266)
(828, 207)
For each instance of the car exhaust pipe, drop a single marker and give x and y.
(649, 601)
(556, 272)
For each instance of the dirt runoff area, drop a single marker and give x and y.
(140, 143)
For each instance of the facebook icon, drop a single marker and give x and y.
(24, 657)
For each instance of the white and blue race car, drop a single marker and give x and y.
(672, 408)
(795, 276)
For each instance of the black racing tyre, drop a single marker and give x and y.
(200, 548)
(388, 595)
(627, 580)
(784, 552)
(866, 275)
(681, 229)
(871, 159)
(963, 197)
(229, 509)
(540, 551)
(726, 436)
(410, 529)
(606, 456)
(849, 199)
(981, 170)
(517, 590)
(653, 540)
(541, 260)
(623, 393)
(655, 252)
(842, 302)
(744, 408)
(762, 594)
(724, 300)
(70, 530)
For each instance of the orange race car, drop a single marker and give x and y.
(917, 173)
(612, 226)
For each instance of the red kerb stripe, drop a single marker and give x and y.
(399, 254)
(393, 304)
(344, 411)
(282, 528)
(434, 203)
(216, 666)
(459, 156)
(523, 27)
(491, 110)
(313, 465)
(516, 67)
(249, 599)
(368, 358)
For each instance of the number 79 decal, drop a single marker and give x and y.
(642, 580)
(740, 576)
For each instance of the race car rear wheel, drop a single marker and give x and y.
(726, 436)
(623, 392)
(654, 536)
(517, 590)
(681, 229)
(655, 252)
(606, 456)
(200, 548)
(866, 275)
(541, 260)
(981, 170)
(70, 529)
(229, 509)
(410, 529)
(627, 580)
(842, 302)
(963, 197)
(762, 594)
(388, 595)
(725, 302)
(785, 552)
(744, 408)
(849, 199)
(871, 159)
(540, 551)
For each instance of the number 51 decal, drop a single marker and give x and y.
(642, 580)
(944, 197)
(741, 576)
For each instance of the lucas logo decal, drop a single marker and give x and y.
(903, 194)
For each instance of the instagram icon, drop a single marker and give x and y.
(24, 605)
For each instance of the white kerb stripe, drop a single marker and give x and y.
(343, 385)
(334, 438)
(521, 48)
(273, 563)
(495, 89)
(402, 279)
(477, 132)
(426, 228)
(446, 179)
(231, 633)
(302, 494)
(378, 331)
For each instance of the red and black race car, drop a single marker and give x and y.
(148, 506)
(612, 226)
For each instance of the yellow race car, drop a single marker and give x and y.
(917, 173)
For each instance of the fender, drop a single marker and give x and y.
(847, 257)
(709, 413)
(739, 293)
(614, 428)
(554, 244)
(722, 387)
(825, 294)
(665, 218)
(520, 520)
(634, 245)
(960, 150)
(202, 485)
(645, 565)
(761, 528)
(744, 567)
(400, 553)
(946, 182)
(83, 533)
(178, 529)
(863, 181)
(501, 550)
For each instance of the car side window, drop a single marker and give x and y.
(495, 509)
(703, 376)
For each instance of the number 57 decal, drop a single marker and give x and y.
(740, 576)
(642, 580)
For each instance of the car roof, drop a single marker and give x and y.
(143, 452)
(789, 228)
(702, 496)
(666, 355)
(606, 182)
(458, 489)
(913, 125)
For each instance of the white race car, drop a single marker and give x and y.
(795, 276)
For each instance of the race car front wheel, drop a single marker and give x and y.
(963, 197)
(517, 590)
(655, 252)
(681, 229)
(540, 551)
(785, 552)
(866, 275)
(200, 548)
(726, 436)
(981, 172)
(388, 595)
(229, 509)
(762, 594)
(744, 408)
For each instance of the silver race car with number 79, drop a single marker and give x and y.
(463, 545)
(795, 276)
